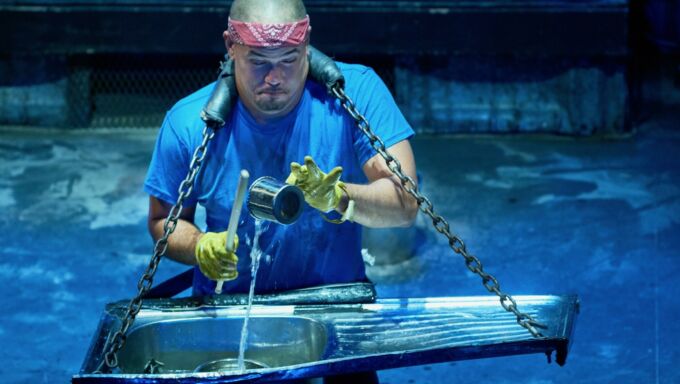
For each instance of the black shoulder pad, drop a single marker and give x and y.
(223, 97)
(323, 70)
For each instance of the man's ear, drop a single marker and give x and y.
(307, 40)
(228, 44)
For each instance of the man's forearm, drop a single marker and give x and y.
(181, 243)
(382, 203)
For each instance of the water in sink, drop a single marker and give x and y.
(188, 341)
(255, 255)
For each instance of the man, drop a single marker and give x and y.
(287, 127)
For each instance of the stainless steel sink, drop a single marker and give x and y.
(312, 340)
(182, 345)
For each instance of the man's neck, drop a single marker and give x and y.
(266, 119)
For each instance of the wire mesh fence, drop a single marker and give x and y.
(135, 91)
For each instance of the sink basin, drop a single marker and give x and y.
(182, 345)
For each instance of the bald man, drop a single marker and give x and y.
(286, 126)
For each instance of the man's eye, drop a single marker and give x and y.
(258, 62)
(290, 61)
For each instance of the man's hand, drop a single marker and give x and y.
(322, 191)
(212, 256)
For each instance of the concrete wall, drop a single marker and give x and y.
(43, 91)
(509, 66)
(33, 91)
(507, 95)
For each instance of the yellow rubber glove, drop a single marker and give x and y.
(213, 259)
(322, 191)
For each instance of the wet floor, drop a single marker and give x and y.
(595, 217)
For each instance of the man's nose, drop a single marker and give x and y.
(273, 77)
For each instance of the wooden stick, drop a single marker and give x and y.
(235, 216)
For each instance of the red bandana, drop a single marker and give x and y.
(269, 35)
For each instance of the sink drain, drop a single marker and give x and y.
(223, 365)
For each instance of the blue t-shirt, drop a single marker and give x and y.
(310, 251)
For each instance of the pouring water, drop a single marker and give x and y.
(255, 256)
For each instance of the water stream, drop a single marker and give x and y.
(255, 255)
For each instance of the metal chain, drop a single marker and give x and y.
(440, 224)
(114, 344)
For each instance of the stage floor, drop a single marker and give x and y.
(546, 215)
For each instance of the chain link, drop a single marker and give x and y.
(439, 223)
(144, 284)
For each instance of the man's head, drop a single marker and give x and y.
(270, 60)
